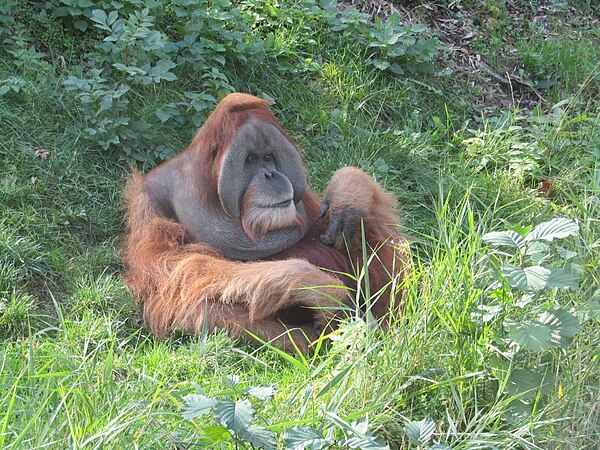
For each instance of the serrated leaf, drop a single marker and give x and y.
(562, 278)
(531, 278)
(557, 228)
(565, 254)
(197, 405)
(528, 383)
(98, 16)
(300, 438)
(537, 247)
(112, 17)
(235, 416)
(519, 411)
(358, 438)
(563, 324)
(165, 113)
(486, 313)
(231, 381)
(531, 334)
(381, 65)
(215, 434)
(259, 437)
(507, 238)
(420, 431)
(362, 438)
(328, 4)
(81, 25)
(397, 69)
(367, 442)
(262, 392)
(591, 308)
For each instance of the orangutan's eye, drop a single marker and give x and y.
(251, 158)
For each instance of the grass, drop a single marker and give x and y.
(78, 369)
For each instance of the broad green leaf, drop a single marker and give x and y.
(300, 438)
(262, 392)
(100, 17)
(591, 308)
(161, 71)
(81, 25)
(112, 17)
(197, 405)
(531, 334)
(165, 113)
(361, 427)
(358, 434)
(235, 416)
(537, 247)
(525, 300)
(367, 442)
(565, 253)
(420, 431)
(518, 412)
(562, 278)
(504, 239)
(328, 4)
(557, 228)
(522, 230)
(215, 434)
(231, 381)
(259, 437)
(528, 383)
(528, 279)
(564, 326)
(381, 65)
(486, 313)
(397, 69)
(361, 438)
(13, 84)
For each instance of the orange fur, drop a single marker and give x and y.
(188, 285)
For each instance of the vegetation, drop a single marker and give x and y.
(482, 117)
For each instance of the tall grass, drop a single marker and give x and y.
(78, 370)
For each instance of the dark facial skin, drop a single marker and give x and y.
(259, 160)
(259, 153)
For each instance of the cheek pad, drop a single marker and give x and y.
(233, 180)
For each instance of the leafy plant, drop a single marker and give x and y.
(122, 82)
(420, 432)
(14, 84)
(232, 419)
(232, 413)
(525, 291)
(356, 435)
(77, 13)
(391, 45)
(136, 58)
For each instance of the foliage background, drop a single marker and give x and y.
(482, 117)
